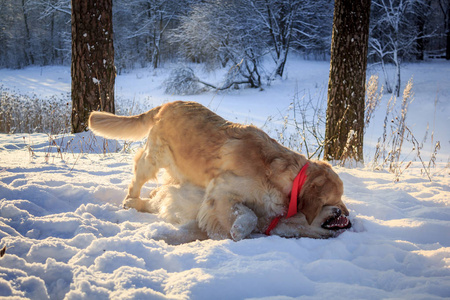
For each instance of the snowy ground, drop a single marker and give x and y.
(67, 236)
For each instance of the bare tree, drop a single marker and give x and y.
(395, 34)
(422, 15)
(288, 24)
(214, 33)
(54, 30)
(444, 5)
(93, 72)
(142, 36)
(278, 18)
(346, 87)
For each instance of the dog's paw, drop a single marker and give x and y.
(243, 226)
(237, 232)
(136, 203)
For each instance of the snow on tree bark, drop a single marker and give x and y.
(93, 71)
(346, 86)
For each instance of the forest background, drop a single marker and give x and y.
(225, 33)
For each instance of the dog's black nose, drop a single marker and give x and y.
(337, 211)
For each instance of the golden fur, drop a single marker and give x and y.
(234, 177)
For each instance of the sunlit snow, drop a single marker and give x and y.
(67, 236)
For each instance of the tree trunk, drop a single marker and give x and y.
(93, 71)
(447, 31)
(280, 23)
(346, 85)
(422, 13)
(447, 52)
(397, 76)
(28, 53)
(281, 63)
(420, 38)
(386, 77)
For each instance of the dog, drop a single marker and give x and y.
(226, 180)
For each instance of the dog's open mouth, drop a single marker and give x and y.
(336, 223)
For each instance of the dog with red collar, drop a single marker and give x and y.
(227, 180)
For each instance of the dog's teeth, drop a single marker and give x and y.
(339, 222)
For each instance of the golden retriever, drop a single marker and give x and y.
(228, 179)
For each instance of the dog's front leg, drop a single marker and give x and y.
(223, 213)
(225, 218)
(244, 223)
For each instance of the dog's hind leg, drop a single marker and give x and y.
(145, 168)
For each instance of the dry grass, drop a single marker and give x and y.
(29, 114)
(300, 128)
(390, 152)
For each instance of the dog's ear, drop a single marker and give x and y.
(310, 202)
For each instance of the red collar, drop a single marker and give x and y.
(299, 181)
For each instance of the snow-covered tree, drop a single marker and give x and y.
(54, 31)
(33, 34)
(222, 32)
(394, 34)
(38, 31)
(141, 38)
(292, 23)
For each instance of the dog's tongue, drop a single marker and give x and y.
(341, 221)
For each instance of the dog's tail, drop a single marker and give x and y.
(122, 127)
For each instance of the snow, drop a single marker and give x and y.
(67, 236)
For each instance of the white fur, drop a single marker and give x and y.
(182, 204)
